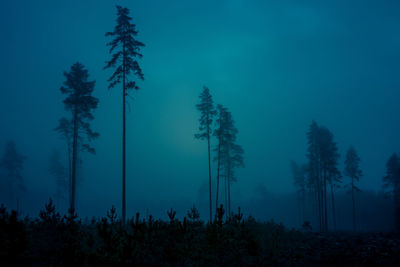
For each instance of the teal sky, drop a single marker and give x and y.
(277, 65)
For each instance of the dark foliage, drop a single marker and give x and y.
(55, 240)
(126, 50)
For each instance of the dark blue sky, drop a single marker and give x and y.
(275, 64)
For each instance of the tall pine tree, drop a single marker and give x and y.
(322, 169)
(126, 51)
(230, 154)
(80, 103)
(206, 108)
(218, 133)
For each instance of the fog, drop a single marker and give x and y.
(277, 65)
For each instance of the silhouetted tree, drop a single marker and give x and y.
(13, 163)
(124, 60)
(322, 168)
(391, 183)
(57, 169)
(218, 132)
(314, 169)
(329, 161)
(206, 108)
(299, 173)
(80, 103)
(352, 170)
(229, 154)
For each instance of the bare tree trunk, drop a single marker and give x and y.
(69, 171)
(397, 206)
(303, 205)
(319, 189)
(218, 168)
(325, 204)
(123, 138)
(354, 205)
(320, 196)
(229, 195)
(333, 207)
(315, 203)
(226, 198)
(209, 169)
(299, 208)
(74, 160)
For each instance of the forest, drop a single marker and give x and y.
(197, 175)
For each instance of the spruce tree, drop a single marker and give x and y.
(126, 49)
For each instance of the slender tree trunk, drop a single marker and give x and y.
(325, 203)
(229, 193)
(123, 139)
(333, 207)
(319, 204)
(299, 201)
(319, 190)
(74, 161)
(397, 206)
(354, 205)
(69, 172)
(218, 168)
(315, 203)
(303, 205)
(226, 198)
(10, 188)
(209, 169)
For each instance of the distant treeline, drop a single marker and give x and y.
(318, 180)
